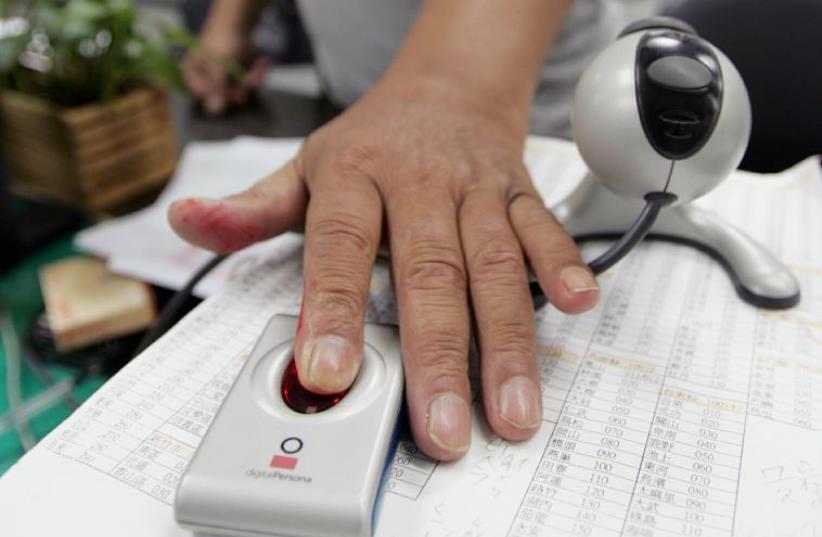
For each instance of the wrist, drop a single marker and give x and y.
(505, 108)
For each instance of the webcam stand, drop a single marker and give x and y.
(592, 211)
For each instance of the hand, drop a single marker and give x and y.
(207, 76)
(442, 179)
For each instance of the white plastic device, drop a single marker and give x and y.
(678, 121)
(663, 112)
(264, 469)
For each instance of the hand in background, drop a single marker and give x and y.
(210, 79)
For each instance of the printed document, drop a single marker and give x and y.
(673, 408)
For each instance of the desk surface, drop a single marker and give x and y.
(20, 294)
(274, 114)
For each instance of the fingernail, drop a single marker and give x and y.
(331, 365)
(519, 403)
(449, 422)
(578, 280)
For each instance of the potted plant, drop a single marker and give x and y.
(83, 108)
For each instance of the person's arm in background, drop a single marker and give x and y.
(225, 36)
(430, 159)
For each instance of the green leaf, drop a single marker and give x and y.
(86, 10)
(97, 51)
(76, 30)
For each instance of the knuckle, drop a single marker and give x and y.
(462, 172)
(539, 222)
(533, 225)
(495, 259)
(357, 159)
(340, 305)
(433, 265)
(531, 210)
(444, 355)
(510, 341)
(342, 232)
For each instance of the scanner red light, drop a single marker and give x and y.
(301, 400)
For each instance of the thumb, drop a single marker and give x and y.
(272, 206)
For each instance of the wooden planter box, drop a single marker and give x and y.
(98, 156)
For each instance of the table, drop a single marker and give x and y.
(274, 113)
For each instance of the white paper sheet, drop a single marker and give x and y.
(671, 409)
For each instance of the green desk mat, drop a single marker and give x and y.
(20, 295)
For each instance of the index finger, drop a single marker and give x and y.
(342, 234)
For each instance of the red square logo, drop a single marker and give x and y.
(281, 461)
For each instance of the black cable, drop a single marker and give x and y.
(172, 310)
(655, 201)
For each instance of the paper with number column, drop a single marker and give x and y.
(671, 409)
